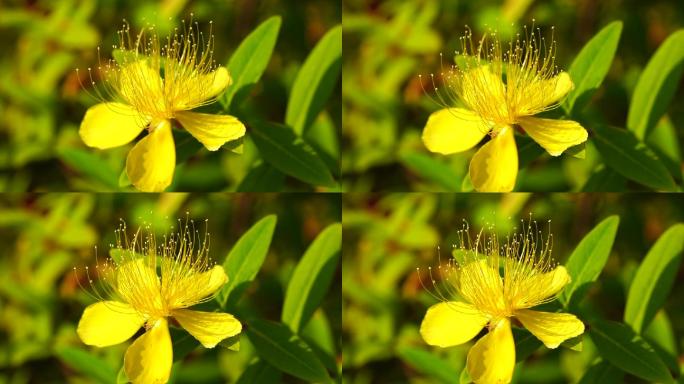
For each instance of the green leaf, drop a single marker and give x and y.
(591, 65)
(603, 179)
(657, 85)
(525, 344)
(588, 259)
(91, 166)
(528, 150)
(654, 278)
(315, 81)
(621, 346)
(279, 346)
(630, 157)
(262, 178)
(249, 61)
(259, 371)
(182, 343)
(289, 153)
(429, 364)
(432, 170)
(311, 277)
(87, 364)
(602, 372)
(245, 258)
(464, 377)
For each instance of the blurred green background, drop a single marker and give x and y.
(45, 236)
(42, 104)
(387, 237)
(387, 44)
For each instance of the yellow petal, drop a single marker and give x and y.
(452, 130)
(483, 91)
(539, 287)
(480, 284)
(209, 328)
(492, 359)
(551, 328)
(193, 288)
(108, 323)
(148, 360)
(108, 125)
(192, 89)
(151, 162)
(141, 85)
(451, 323)
(554, 135)
(494, 167)
(538, 95)
(137, 283)
(211, 130)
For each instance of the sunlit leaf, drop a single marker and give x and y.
(312, 277)
(245, 258)
(249, 61)
(315, 81)
(654, 278)
(657, 85)
(588, 259)
(591, 65)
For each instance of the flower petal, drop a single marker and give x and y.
(539, 94)
(108, 125)
(208, 327)
(211, 130)
(141, 85)
(194, 287)
(151, 162)
(554, 135)
(452, 130)
(148, 360)
(137, 283)
(195, 89)
(451, 323)
(492, 359)
(494, 167)
(479, 283)
(107, 323)
(538, 287)
(551, 328)
(481, 89)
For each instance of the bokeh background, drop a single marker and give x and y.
(386, 238)
(45, 236)
(388, 44)
(42, 104)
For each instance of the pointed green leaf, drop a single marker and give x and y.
(588, 259)
(621, 346)
(245, 259)
(87, 364)
(657, 85)
(427, 363)
(654, 278)
(280, 347)
(311, 277)
(591, 65)
(249, 61)
(289, 153)
(91, 166)
(262, 178)
(630, 157)
(315, 81)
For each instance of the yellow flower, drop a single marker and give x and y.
(496, 284)
(149, 285)
(190, 79)
(532, 84)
